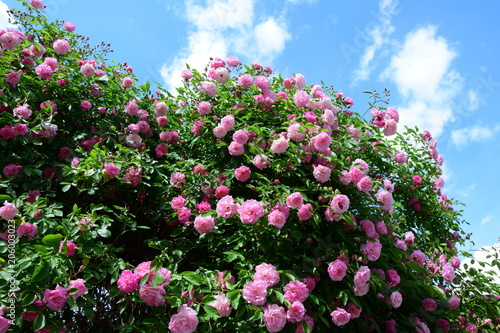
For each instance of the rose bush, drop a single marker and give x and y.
(243, 202)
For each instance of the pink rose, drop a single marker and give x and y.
(390, 127)
(55, 299)
(152, 296)
(295, 132)
(128, 281)
(340, 317)
(396, 299)
(87, 70)
(79, 285)
(372, 250)
(177, 179)
(448, 273)
(221, 75)
(27, 229)
(337, 270)
(322, 173)
(12, 169)
(267, 274)
(203, 108)
(4, 324)
(361, 290)
(301, 98)
(222, 305)
(418, 257)
(69, 26)
(369, 228)
(261, 161)
(345, 178)
(274, 317)
(429, 304)
(10, 40)
(362, 276)
(386, 200)
(8, 211)
(255, 292)
(204, 224)
(233, 61)
(226, 207)
(454, 302)
(296, 312)
(400, 158)
(251, 211)
(356, 174)
(227, 122)
(111, 170)
(127, 82)
(322, 141)
(70, 248)
(393, 278)
(340, 203)
(279, 146)
(61, 46)
(295, 200)
(276, 218)
(245, 81)
(296, 291)
(305, 212)
(208, 88)
(242, 173)
(187, 74)
(353, 310)
(184, 321)
(38, 4)
(365, 184)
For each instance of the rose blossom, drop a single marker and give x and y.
(27, 229)
(152, 296)
(301, 98)
(365, 184)
(184, 321)
(322, 173)
(396, 299)
(372, 250)
(340, 317)
(279, 146)
(322, 141)
(305, 212)
(267, 274)
(55, 299)
(242, 173)
(307, 321)
(8, 211)
(400, 158)
(128, 281)
(251, 211)
(208, 88)
(362, 276)
(296, 312)
(296, 291)
(79, 285)
(337, 270)
(274, 317)
(295, 132)
(226, 207)
(448, 273)
(340, 203)
(294, 200)
(261, 161)
(70, 248)
(255, 292)
(393, 278)
(204, 224)
(453, 302)
(429, 304)
(221, 303)
(276, 218)
(386, 199)
(111, 170)
(353, 310)
(61, 46)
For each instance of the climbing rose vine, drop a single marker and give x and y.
(244, 202)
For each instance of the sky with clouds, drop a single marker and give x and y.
(438, 59)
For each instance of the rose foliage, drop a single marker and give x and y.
(245, 202)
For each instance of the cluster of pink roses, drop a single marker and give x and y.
(55, 299)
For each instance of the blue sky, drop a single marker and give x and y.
(439, 59)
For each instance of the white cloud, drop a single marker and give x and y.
(472, 100)
(477, 133)
(486, 219)
(379, 36)
(422, 74)
(481, 256)
(222, 27)
(4, 16)
(271, 38)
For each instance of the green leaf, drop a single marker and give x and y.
(28, 299)
(193, 278)
(41, 272)
(52, 240)
(39, 322)
(211, 311)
